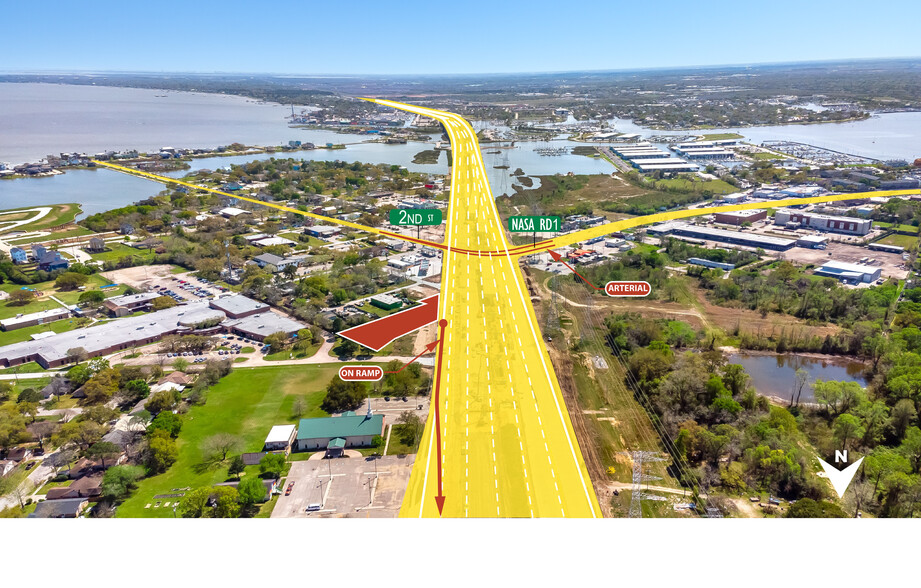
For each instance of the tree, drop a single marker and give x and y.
(194, 503)
(166, 421)
(276, 341)
(70, 281)
(220, 445)
(100, 414)
(118, 481)
(412, 427)
(29, 395)
(21, 297)
(341, 396)
(846, 428)
(236, 466)
(92, 298)
(226, 500)
(838, 397)
(103, 450)
(161, 451)
(903, 413)
(800, 383)
(82, 433)
(163, 400)
(137, 389)
(272, 464)
(298, 408)
(163, 302)
(735, 378)
(251, 490)
(79, 374)
(180, 364)
(28, 409)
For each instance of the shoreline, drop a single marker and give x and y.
(729, 350)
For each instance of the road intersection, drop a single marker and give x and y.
(504, 445)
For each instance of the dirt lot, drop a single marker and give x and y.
(892, 263)
(346, 493)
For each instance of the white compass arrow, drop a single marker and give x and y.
(840, 479)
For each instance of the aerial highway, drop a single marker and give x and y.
(504, 445)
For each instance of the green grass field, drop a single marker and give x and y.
(685, 183)
(905, 241)
(721, 136)
(246, 403)
(24, 334)
(291, 354)
(116, 251)
(75, 232)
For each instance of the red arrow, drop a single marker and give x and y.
(439, 499)
(557, 257)
(378, 333)
(428, 349)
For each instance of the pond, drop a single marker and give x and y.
(774, 374)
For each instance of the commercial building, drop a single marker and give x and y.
(232, 212)
(129, 303)
(322, 231)
(739, 217)
(886, 248)
(638, 162)
(102, 339)
(745, 239)
(838, 224)
(36, 318)
(386, 302)
(268, 259)
(280, 438)
(345, 431)
(903, 184)
(849, 272)
(667, 167)
(238, 306)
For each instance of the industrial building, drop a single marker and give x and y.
(812, 242)
(849, 272)
(386, 302)
(838, 224)
(322, 231)
(739, 217)
(337, 433)
(36, 318)
(745, 239)
(701, 151)
(714, 264)
(886, 248)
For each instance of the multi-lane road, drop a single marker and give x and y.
(507, 443)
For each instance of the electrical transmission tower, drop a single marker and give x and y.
(637, 494)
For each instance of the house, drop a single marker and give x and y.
(19, 454)
(19, 255)
(177, 378)
(52, 261)
(60, 509)
(96, 245)
(355, 431)
(87, 467)
(88, 487)
(38, 251)
(280, 438)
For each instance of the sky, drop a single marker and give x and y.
(438, 37)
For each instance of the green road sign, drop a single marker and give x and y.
(414, 218)
(535, 224)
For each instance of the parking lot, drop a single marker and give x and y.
(892, 264)
(346, 487)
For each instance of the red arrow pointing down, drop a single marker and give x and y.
(377, 334)
(439, 499)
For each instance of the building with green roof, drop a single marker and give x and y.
(339, 432)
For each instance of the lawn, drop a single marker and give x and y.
(397, 447)
(905, 241)
(721, 136)
(689, 183)
(24, 334)
(246, 403)
(70, 297)
(116, 251)
(291, 353)
(26, 368)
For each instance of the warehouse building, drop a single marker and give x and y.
(714, 264)
(752, 240)
(322, 231)
(837, 224)
(812, 242)
(337, 433)
(667, 165)
(739, 217)
(850, 272)
(280, 438)
(36, 318)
